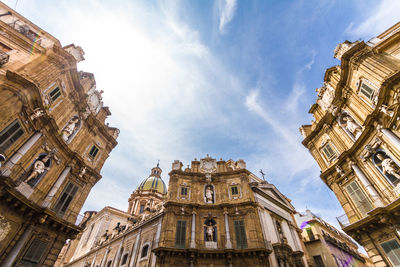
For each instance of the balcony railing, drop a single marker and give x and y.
(354, 215)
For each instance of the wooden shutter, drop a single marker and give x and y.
(392, 250)
(358, 197)
(9, 135)
(66, 198)
(180, 234)
(35, 251)
(240, 231)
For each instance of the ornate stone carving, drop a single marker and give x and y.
(385, 110)
(4, 57)
(82, 172)
(326, 94)
(75, 51)
(341, 49)
(177, 165)
(339, 170)
(37, 112)
(5, 227)
(370, 149)
(94, 100)
(208, 165)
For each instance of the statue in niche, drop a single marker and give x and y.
(210, 230)
(280, 232)
(40, 166)
(347, 122)
(387, 166)
(69, 130)
(209, 194)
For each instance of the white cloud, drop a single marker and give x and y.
(227, 9)
(379, 18)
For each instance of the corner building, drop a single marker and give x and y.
(220, 214)
(53, 141)
(354, 138)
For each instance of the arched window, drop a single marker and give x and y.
(145, 250)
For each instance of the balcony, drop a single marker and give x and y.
(313, 238)
(354, 215)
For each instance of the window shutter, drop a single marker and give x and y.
(240, 234)
(180, 234)
(392, 250)
(359, 198)
(66, 198)
(35, 251)
(9, 135)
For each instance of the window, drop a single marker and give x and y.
(65, 199)
(392, 251)
(240, 232)
(141, 209)
(180, 234)
(367, 90)
(93, 151)
(184, 191)
(328, 151)
(124, 259)
(310, 234)
(109, 263)
(10, 135)
(359, 198)
(54, 94)
(318, 261)
(145, 249)
(34, 253)
(235, 190)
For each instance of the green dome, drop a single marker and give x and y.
(153, 183)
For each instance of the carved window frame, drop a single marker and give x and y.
(333, 157)
(188, 192)
(239, 189)
(146, 257)
(370, 101)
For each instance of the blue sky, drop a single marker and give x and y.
(233, 79)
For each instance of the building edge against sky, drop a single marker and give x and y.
(216, 212)
(53, 141)
(354, 138)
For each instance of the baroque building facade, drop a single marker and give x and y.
(216, 213)
(53, 141)
(327, 246)
(354, 138)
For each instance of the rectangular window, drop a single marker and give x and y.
(54, 94)
(180, 234)
(235, 190)
(141, 209)
(10, 135)
(310, 234)
(367, 90)
(328, 151)
(124, 259)
(359, 198)
(65, 198)
(392, 251)
(318, 261)
(93, 151)
(183, 191)
(240, 232)
(34, 253)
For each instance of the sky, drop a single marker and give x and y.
(232, 79)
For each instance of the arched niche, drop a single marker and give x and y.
(38, 169)
(387, 166)
(71, 129)
(349, 125)
(209, 194)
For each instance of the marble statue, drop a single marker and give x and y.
(352, 126)
(39, 168)
(210, 231)
(209, 194)
(388, 166)
(70, 128)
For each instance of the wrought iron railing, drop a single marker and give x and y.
(354, 215)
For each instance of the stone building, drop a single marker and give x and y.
(216, 213)
(325, 245)
(113, 237)
(53, 141)
(354, 138)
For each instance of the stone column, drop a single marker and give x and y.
(193, 234)
(103, 262)
(135, 249)
(117, 255)
(94, 260)
(21, 243)
(156, 242)
(392, 137)
(6, 170)
(371, 190)
(56, 186)
(228, 236)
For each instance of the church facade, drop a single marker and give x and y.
(53, 141)
(216, 213)
(355, 139)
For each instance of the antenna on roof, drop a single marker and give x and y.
(158, 163)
